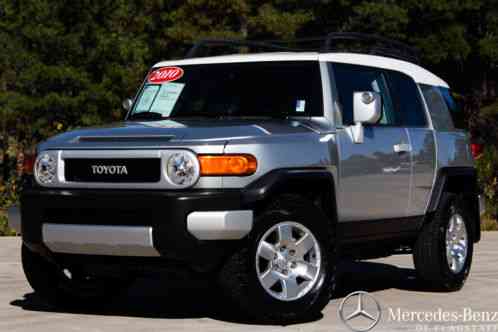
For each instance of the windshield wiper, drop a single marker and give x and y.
(191, 116)
(222, 117)
(146, 116)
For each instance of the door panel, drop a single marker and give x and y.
(423, 168)
(374, 180)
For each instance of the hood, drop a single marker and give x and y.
(156, 134)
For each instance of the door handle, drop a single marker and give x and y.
(391, 169)
(402, 147)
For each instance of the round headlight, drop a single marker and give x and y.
(45, 169)
(183, 169)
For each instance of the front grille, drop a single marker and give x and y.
(136, 170)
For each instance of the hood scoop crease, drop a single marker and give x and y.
(126, 138)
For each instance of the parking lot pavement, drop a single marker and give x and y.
(191, 305)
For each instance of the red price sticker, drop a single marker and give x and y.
(165, 74)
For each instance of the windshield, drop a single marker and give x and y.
(263, 89)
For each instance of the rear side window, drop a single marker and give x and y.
(407, 100)
(455, 108)
(352, 78)
(438, 108)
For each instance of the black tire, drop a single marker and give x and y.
(51, 283)
(239, 278)
(429, 254)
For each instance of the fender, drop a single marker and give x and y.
(307, 181)
(462, 180)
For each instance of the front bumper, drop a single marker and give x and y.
(168, 224)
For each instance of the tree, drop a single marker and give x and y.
(192, 20)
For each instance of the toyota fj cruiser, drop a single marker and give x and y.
(261, 169)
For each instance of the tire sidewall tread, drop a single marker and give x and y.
(430, 248)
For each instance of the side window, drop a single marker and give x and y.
(455, 108)
(352, 78)
(438, 108)
(407, 100)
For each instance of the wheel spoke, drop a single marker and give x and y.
(267, 251)
(307, 271)
(454, 223)
(460, 250)
(454, 262)
(290, 288)
(304, 245)
(269, 278)
(285, 234)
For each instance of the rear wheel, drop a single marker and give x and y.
(443, 251)
(287, 270)
(68, 286)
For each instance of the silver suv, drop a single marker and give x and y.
(262, 169)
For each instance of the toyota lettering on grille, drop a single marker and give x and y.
(109, 170)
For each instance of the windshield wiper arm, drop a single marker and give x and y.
(196, 116)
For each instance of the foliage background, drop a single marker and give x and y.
(67, 63)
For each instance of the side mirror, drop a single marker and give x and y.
(367, 109)
(127, 104)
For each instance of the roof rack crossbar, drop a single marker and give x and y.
(235, 42)
(333, 42)
(386, 46)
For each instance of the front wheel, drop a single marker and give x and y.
(287, 270)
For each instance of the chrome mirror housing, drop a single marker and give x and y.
(127, 104)
(367, 109)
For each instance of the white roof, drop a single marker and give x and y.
(238, 58)
(419, 74)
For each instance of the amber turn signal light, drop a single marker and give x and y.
(230, 165)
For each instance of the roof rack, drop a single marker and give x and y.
(334, 42)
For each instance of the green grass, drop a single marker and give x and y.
(489, 224)
(4, 225)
